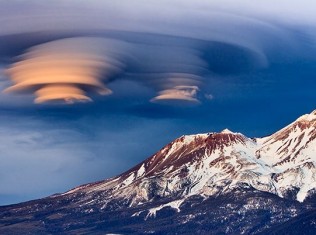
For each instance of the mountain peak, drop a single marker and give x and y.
(227, 131)
(212, 163)
(308, 117)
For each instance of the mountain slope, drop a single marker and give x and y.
(207, 164)
(198, 181)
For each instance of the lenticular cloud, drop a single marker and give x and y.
(66, 70)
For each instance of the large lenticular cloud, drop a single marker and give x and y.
(66, 69)
(178, 46)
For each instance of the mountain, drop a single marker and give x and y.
(213, 183)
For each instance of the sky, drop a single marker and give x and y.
(91, 88)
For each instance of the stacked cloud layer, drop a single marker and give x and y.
(66, 69)
(69, 50)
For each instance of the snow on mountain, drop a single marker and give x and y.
(213, 164)
(213, 183)
(291, 152)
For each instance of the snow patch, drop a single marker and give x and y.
(174, 204)
(141, 171)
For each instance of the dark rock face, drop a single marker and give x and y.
(215, 183)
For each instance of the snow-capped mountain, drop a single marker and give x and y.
(238, 173)
(212, 163)
(291, 153)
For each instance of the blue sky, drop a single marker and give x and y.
(174, 68)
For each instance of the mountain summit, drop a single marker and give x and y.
(219, 176)
(212, 163)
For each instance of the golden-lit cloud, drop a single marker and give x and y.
(178, 87)
(68, 93)
(183, 93)
(65, 70)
